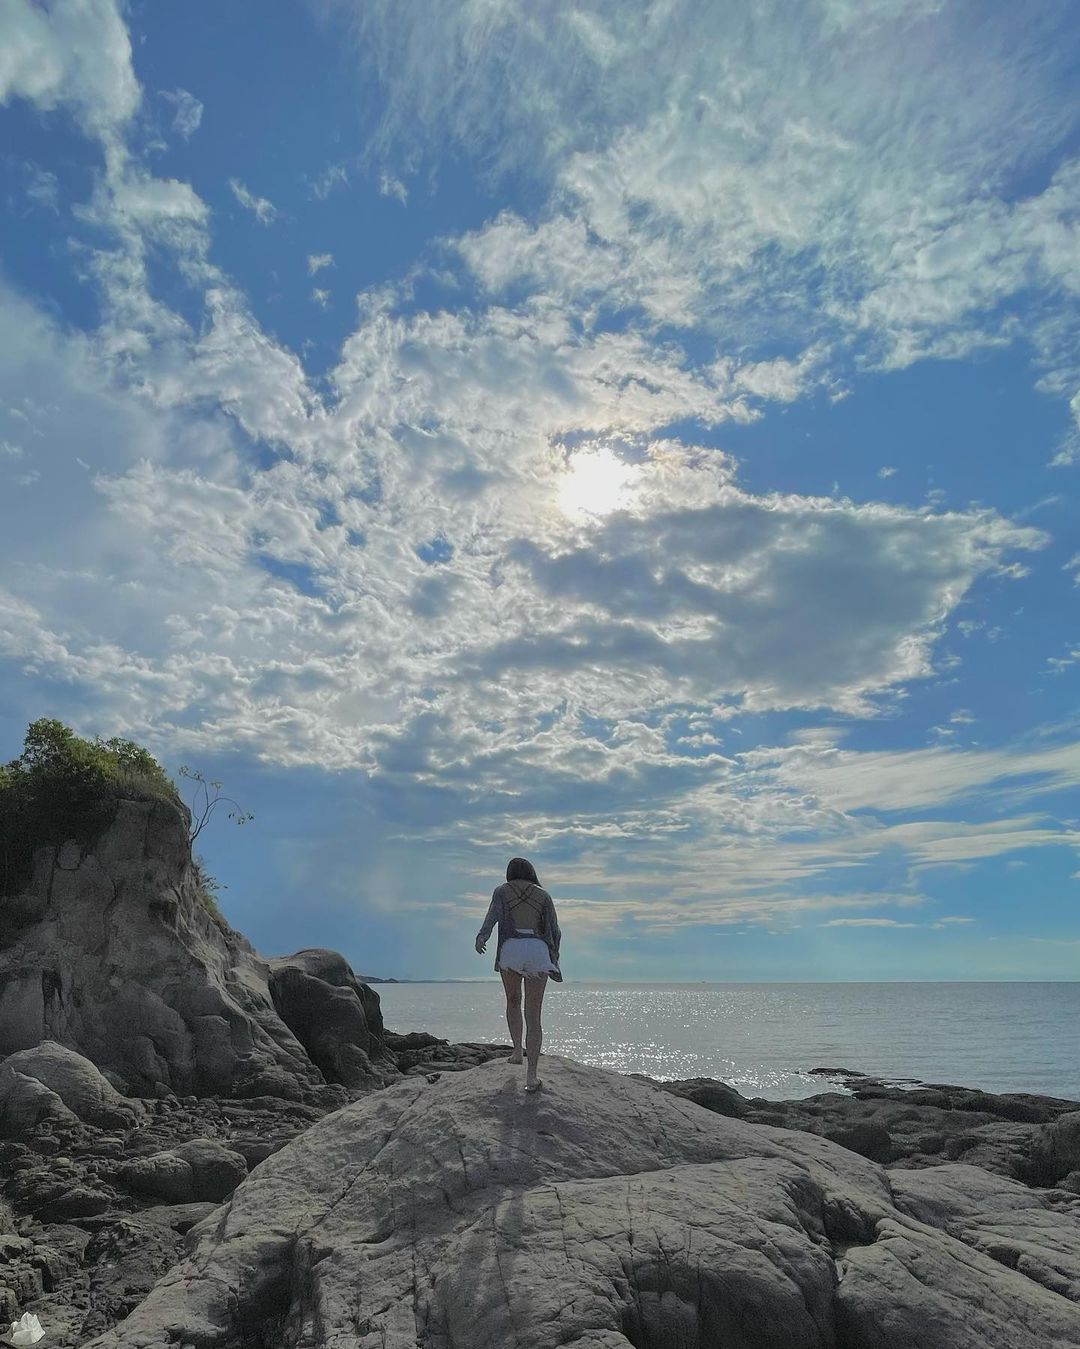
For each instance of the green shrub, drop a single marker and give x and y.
(207, 889)
(62, 787)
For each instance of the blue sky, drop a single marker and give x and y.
(643, 437)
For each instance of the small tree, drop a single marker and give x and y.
(205, 800)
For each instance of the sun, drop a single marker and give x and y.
(595, 483)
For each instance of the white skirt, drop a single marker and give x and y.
(526, 954)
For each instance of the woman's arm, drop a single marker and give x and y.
(491, 918)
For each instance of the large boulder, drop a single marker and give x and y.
(51, 1081)
(201, 1169)
(335, 1017)
(1056, 1155)
(603, 1212)
(111, 951)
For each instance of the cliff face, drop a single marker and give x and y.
(110, 952)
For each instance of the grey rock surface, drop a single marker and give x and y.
(199, 1170)
(65, 1077)
(1035, 1139)
(110, 952)
(335, 1017)
(1033, 1231)
(97, 1212)
(92, 1216)
(459, 1213)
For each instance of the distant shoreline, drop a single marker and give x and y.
(732, 983)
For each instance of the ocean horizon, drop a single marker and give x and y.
(765, 1038)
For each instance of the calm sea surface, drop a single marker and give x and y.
(762, 1038)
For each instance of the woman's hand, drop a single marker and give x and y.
(481, 946)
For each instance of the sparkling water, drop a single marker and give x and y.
(762, 1038)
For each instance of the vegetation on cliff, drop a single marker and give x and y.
(63, 786)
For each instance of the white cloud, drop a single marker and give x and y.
(1058, 664)
(317, 261)
(389, 186)
(1069, 452)
(331, 178)
(321, 297)
(69, 52)
(941, 924)
(692, 594)
(264, 211)
(904, 780)
(756, 185)
(867, 922)
(43, 188)
(187, 111)
(779, 380)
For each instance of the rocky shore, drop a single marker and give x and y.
(1033, 1139)
(201, 1147)
(98, 1191)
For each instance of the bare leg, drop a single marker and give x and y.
(534, 1000)
(512, 984)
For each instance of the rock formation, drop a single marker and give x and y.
(99, 1189)
(603, 1212)
(334, 1016)
(110, 951)
(1034, 1139)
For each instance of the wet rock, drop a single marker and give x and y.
(713, 1095)
(161, 1176)
(1056, 1154)
(80, 1201)
(200, 1169)
(865, 1137)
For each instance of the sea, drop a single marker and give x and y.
(764, 1039)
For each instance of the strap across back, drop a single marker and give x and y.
(525, 909)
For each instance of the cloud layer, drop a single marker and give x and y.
(380, 569)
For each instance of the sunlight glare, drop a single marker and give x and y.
(595, 483)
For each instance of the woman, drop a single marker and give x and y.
(528, 949)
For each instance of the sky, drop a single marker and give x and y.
(641, 437)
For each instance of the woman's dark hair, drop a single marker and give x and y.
(518, 869)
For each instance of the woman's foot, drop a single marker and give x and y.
(515, 1058)
(533, 1086)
